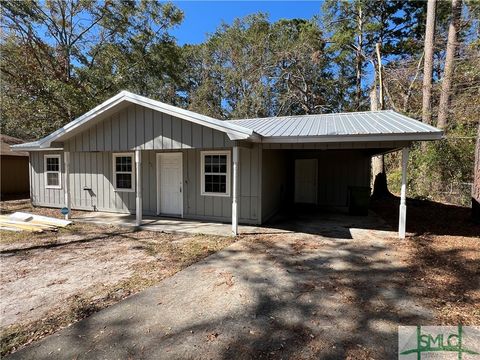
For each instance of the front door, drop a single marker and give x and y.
(306, 171)
(169, 184)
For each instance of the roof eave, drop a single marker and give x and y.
(354, 138)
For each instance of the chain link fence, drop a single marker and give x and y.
(457, 193)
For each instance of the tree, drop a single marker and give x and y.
(59, 58)
(355, 28)
(449, 64)
(252, 68)
(380, 186)
(476, 181)
(428, 63)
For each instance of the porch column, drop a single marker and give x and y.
(235, 191)
(66, 160)
(403, 193)
(138, 187)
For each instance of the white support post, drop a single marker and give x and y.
(235, 191)
(66, 160)
(138, 186)
(403, 194)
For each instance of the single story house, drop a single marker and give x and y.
(14, 168)
(132, 154)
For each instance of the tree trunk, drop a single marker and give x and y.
(359, 61)
(476, 181)
(428, 63)
(449, 63)
(380, 75)
(380, 186)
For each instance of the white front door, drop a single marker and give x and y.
(306, 171)
(169, 184)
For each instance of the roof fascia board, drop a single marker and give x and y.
(354, 138)
(36, 149)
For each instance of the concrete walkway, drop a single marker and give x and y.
(333, 291)
(164, 224)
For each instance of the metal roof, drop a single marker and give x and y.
(374, 124)
(365, 126)
(233, 131)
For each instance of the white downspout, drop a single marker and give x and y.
(235, 191)
(138, 186)
(403, 194)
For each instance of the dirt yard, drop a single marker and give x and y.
(443, 252)
(50, 280)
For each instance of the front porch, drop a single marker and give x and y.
(167, 224)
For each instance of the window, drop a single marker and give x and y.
(123, 172)
(52, 172)
(215, 173)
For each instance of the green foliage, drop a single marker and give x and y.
(354, 27)
(253, 68)
(440, 170)
(60, 58)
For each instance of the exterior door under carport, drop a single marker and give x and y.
(306, 181)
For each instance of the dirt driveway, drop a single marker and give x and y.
(337, 290)
(331, 289)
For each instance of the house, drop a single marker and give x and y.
(14, 168)
(197, 167)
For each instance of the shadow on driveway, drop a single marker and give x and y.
(268, 296)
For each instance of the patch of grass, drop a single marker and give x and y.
(10, 237)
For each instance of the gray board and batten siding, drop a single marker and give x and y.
(138, 127)
(337, 171)
(91, 161)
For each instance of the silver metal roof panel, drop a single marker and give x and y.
(386, 123)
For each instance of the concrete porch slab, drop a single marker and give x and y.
(168, 225)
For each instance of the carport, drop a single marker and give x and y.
(314, 160)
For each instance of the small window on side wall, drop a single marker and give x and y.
(215, 174)
(123, 172)
(53, 175)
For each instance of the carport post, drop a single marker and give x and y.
(138, 185)
(403, 193)
(66, 160)
(235, 192)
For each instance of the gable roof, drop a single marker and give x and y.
(6, 141)
(386, 125)
(354, 126)
(234, 131)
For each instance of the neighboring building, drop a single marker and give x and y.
(197, 167)
(14, 169)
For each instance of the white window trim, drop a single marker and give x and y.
(59, 172)
(202, 172)
(114, 156)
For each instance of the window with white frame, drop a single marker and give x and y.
(215, 174)
(53, 173)
(123, 172)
